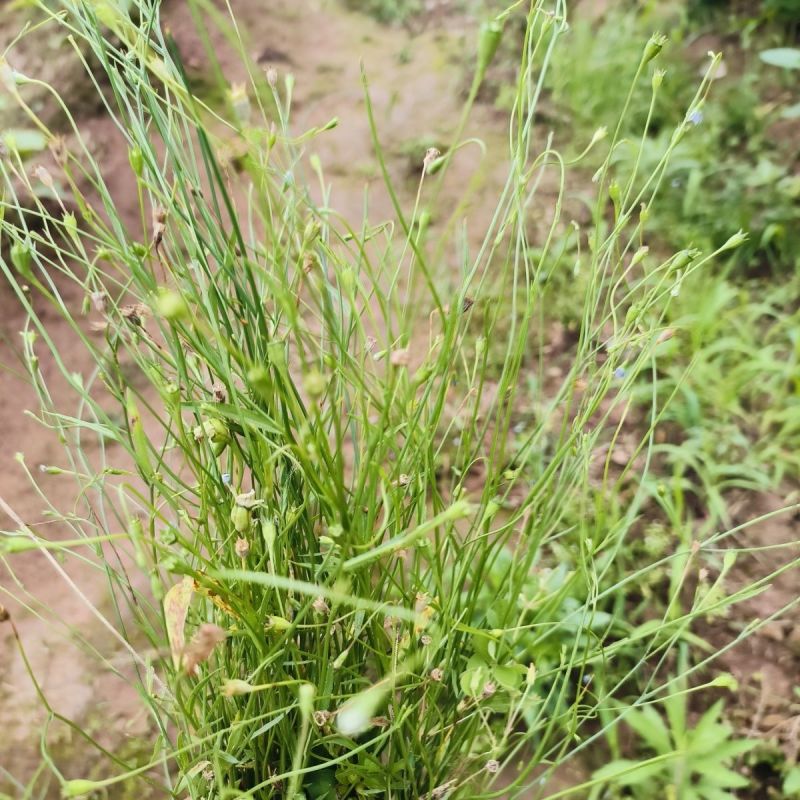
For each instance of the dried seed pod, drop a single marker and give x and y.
(320, 606)
(242, 548)
(201, 647)
(399, 358)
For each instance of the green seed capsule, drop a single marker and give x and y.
(654, 46)
(489, 40)
(136, 160)
(278, 624)
(71, 225)
(79, 787)
(215, 431)
(241, 518)
(269, 533)
(141, 449)
(137, 538)
(258, 378)
(171, 306)
(156, 587)
(21, 258)
(314, 383)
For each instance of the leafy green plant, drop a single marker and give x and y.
(691, 762)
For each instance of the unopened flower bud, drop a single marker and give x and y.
(737, 240)
(654, 46)
(314, 383)
(277, 624)
(233, 687)
(171, 305)
(491, 33)
(136, 160)
(431, 156)
(240, 102)
(71, 225)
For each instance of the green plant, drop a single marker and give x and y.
(727, 172)
(267, 438)
(688, 762)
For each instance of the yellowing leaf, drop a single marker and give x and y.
(176, 606)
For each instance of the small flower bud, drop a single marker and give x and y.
(159, 217)
(100, 302)
(58, 148)
(357, 713)
(598, 136)
(314, 383)
(136, 160)
(21, 257)
(171, 305)
(233, 687)
(654, 46)
(277, 624)
(431, 155)
(639, 255)
(737, 240)
(437, 674)
(71, 225)
(79, 787)
(305, 697)
(491, 33)
(665, 335)
(240, 102)
(269, 533)
(492, 766)
(201, 647)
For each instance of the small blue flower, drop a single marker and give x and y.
(226, 478)
(696, 117)
(620, 373)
